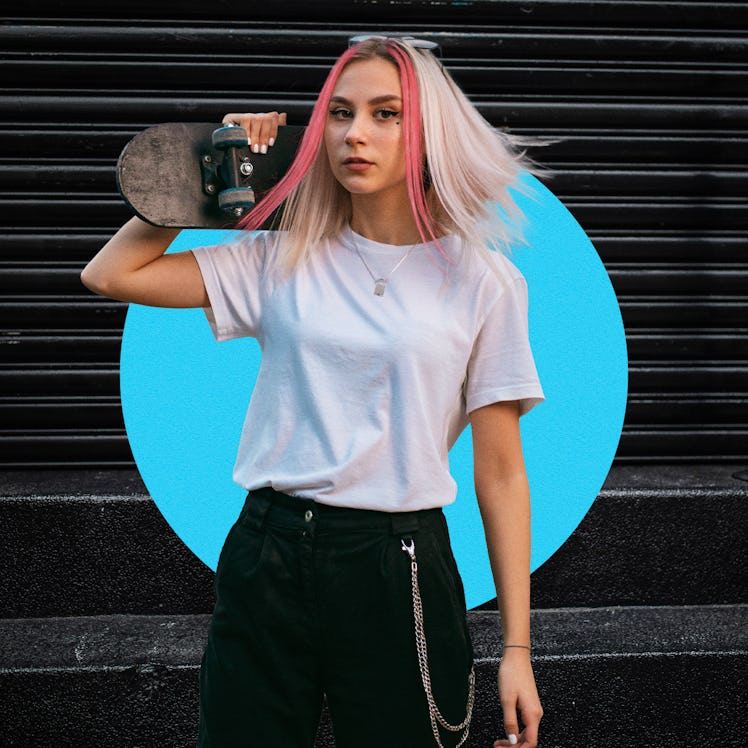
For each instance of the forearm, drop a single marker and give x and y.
(505, 509)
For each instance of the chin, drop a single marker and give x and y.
(355, 187)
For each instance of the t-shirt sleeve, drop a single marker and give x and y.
(501, 366)
(233, 277)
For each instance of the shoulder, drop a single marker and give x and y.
(243, 257)
(490, 270)
(252, 241)
(239, 246)
(503, 268)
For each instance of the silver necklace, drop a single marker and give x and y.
(380, 284)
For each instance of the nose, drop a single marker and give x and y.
(356, 132)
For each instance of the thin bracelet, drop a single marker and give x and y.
(517, 646)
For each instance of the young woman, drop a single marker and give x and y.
(386, 325)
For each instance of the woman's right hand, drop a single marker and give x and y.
(261, 127)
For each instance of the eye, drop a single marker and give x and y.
(386, 113)
(340, 113)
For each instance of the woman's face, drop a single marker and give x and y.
(364, 133)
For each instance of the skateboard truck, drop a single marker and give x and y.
(229, 177)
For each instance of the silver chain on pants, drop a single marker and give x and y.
(423, 661)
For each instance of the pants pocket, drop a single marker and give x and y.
(240, 557)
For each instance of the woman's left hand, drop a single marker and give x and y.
(517, 692)
(261, 127)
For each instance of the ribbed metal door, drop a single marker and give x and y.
(646, 99)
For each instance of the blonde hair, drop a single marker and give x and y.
(460, 168)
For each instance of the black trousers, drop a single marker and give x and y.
(314, 600)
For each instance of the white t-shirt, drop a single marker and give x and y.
(360, 397)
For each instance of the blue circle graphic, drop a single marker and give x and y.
(184, 399)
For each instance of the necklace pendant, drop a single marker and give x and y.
(379, 286)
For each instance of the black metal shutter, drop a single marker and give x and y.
(647, 99)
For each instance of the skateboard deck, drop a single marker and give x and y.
(199, 175)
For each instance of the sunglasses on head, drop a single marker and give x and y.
(411, 41)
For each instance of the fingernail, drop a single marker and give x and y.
(512, 739)
(256, 148)
(271, 141)
(249, 140)
(263, 149)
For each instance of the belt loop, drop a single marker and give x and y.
(403, 522)
(255, 510)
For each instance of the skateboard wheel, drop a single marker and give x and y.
(236, 198)
(229, 137)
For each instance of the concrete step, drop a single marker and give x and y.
(85, 542)
(656, 535)
(615, 676)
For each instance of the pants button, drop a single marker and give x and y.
(308, 515)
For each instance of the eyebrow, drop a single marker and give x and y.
(375, 100)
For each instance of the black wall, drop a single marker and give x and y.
(647, 100)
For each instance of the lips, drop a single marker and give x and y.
(357, 165)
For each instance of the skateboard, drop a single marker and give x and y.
(199, 175)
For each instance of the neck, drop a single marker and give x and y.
(384, 220)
